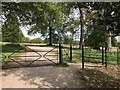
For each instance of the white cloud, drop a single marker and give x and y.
(25, 33)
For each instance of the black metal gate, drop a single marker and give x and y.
(31, 55)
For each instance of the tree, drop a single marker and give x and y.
(96, 29)
(49, 19)
(114, 42)
(81, 6)
(37, 40)
(11, 31)
(106, 16)
(25, 40)
(53, 18)
(43, 17)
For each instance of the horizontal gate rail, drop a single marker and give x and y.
(49, 52)
(13, 59)
(17, 62)
(34, 51)
(52, 55)
(33, 62)
(39, 51)
(16, 51)
(24, 57)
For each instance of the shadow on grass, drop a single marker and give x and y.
(11, 48)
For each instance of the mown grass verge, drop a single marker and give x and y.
(8, 49)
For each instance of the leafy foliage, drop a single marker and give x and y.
(114, 42)
(37, 40)
(54, 20)
(11, 31)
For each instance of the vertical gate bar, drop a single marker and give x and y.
(60, 54)
(106, 57)
(82, 57)
(57, 55)
(25, 54)
(102, 55)
(70, 53)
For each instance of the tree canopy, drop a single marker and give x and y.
(54, 20)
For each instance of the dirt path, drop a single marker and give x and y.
(60, 77)
(42, 77)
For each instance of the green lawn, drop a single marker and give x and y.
(91, 55)
(8, 49)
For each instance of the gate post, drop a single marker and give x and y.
(117, 56)
(60, 54)
(82, 57)
(106, 56)
(70, 53)
(102, 55)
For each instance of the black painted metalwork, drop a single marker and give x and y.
(39, 54)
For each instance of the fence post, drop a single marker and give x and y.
(60, 54)
(82, 57)
(106, 57)
(117, 56)
(70, 53)
(102, 55)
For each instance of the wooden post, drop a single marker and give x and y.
(60, 54)
(70, 53)
(82, 57)
(102, 55)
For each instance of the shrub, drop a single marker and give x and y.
(37, 40)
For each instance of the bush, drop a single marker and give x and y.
(119, 44)
(114, 42)
(37, 40)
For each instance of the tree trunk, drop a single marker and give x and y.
(50, 36)
(81, 29)
(109, 45)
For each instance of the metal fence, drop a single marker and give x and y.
(87, 54)
(60, 54)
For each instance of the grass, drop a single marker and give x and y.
(9, 49)
(3, 43)
(91, 55)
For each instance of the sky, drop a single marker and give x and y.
(25, 33)
(118, 38)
